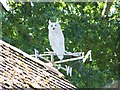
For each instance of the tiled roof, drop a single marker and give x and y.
(20, 70)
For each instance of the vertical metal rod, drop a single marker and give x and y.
(52, 57)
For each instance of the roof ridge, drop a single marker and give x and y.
(47, 65)
(20, 51)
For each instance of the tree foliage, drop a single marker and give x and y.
(26, 27)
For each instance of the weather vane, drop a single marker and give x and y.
(67, 68)
(56, 39)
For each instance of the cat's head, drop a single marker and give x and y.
(54, 25)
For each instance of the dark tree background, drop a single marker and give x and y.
(85, 28)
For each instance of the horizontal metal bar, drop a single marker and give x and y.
(67, 60)
(69, 54)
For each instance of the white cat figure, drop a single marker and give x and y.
(56, 39)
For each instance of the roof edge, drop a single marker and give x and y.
(47, 65)
(20, 51)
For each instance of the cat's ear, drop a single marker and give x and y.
(49, 21)
(57, 20)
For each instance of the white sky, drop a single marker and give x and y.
(4, 3)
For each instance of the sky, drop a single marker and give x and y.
(5, 4)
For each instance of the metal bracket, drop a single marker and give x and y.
(68, 69)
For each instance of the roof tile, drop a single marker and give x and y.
(19, 70)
